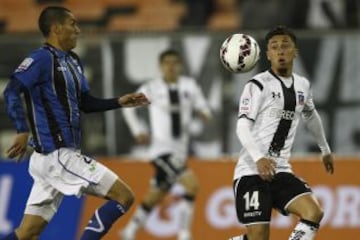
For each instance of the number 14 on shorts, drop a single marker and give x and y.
(251, 203)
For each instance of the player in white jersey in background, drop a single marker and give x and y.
(270, 108)
(174, 100)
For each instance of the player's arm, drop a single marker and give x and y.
(137, 126)
(27, 75)
(250, 102)
(90, 103)
(314, 125)
(266, 166)
(15, 110)
(201, 106)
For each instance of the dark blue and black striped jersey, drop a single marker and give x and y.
(53, 83)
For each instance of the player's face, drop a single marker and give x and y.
(170, 67)
(281, 51)
(68, 33)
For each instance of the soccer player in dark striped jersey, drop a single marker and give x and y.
(270, 108)
(55, 89)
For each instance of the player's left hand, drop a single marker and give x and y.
(18, 148)
(328, 161)
(133, 100)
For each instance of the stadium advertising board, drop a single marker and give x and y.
(215, 216)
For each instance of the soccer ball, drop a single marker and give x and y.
(239, 53)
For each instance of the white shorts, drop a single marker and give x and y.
(64, 172)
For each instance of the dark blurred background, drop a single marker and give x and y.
(121, 40)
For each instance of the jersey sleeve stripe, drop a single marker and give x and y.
(245, 116)
(257, 83)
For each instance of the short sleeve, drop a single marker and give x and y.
(32, 69)
(250, 100)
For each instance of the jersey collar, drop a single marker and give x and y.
(57, 52)
(277, 77)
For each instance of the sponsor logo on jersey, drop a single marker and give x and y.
(276, 95)
(244, 105)
(252, 214)
(245, 101)
(24, 65)
(283, 114)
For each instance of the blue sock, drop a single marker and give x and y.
(11, 236)
(102, 220)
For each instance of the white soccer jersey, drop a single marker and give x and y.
(170, 113)
(275, 108)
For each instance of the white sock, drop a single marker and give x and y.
(241, 237)
(136, 222)
(187, 212)
(304, 230)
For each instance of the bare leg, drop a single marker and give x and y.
(308, 209)
(30, 227)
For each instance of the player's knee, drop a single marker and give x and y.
(313, 214)
(258, 234)
(191, 186)
(129, 198)
(317, 215)
(195, 186)
(28, 233)
(125, 197)
(152, 199)
(193, 190)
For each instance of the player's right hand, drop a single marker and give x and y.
(133, 100)
(18, 148)
(143, 139)
(266, 168)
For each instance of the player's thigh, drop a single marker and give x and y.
(189, 181)
(258, 231)
(110, 186)
(253, 200)
(43, 201)
(306, 207)
(31, 226)
(167, 170)
(286, 189)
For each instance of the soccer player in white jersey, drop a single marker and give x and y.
(174, 98)
(270, 109)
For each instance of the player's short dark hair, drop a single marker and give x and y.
(280, 30)
(51, 15)
(169, 52)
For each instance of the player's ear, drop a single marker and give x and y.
(56, 28)
(296, 52)
(267, 55)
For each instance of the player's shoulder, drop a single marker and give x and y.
(186, 80)
(260, 80)
(37, 55)
(40, 54)
(151, 84)
(301, 79)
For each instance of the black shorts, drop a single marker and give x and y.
(167, 170)
(255, 198)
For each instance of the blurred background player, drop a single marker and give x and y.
(271, 106)
(173, 100)
(56, 90)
